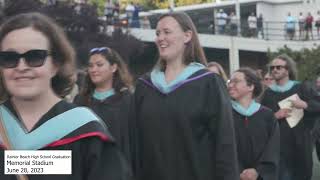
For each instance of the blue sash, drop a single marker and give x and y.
(103, 95)
(253, 108)
(50, 131)
(276, 88)
(158, 78)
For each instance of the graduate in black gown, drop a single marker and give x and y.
(315, 90)
(36, 63)
(295, 142)
(183, 112)
(107, 92)
(257, 131)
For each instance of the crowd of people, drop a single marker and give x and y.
(305, 24)
(132, 10)
(183, 120)
(231, 24)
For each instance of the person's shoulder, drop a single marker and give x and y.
(79, 100)
(124, 96)
(205, 75)
(145, 78)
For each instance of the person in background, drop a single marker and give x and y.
(177, 139)
(252, 24)
(217, 68)
(108, 12)
(260, 26)
(290, 26)
(145, 23)
(268, 80)
(36, 72)
(317, 24)
(316, 129)
(116, 13)
(296, 142)
(221, 18)
(74, 89)
(302, 21)
(135, 16)
(129, 12)
(107, 91)
(308, 27)
(233, 24)
(257, 131)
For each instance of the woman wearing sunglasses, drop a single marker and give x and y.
(257, 131)
(107, 91)
(183, 112)
(36, 64)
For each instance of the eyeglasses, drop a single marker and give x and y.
(98, 50)
(33, 58)
(276, 67)
(234, 81)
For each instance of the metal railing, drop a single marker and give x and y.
(270, 30)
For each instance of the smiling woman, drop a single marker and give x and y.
(107, 91)
(36, 65)
(257, 131)
(183, 113)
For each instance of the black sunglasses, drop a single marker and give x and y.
(33, 58)
(276, 67)
(98, 50)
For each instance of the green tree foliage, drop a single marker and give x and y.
(189, 2)
(148, 4)
(99, 5)
(165, 3)
(308, 61)
(84, 31)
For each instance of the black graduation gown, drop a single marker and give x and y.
(315, 114)
(114, 111)
(186, 134)
(258, 142)
(295, 143)
(93, 157)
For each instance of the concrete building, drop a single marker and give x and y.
(238, 47)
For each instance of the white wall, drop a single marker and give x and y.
(266, 9)
(277, 12)
(225, 42)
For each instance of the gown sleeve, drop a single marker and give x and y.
(104, 161)
(309, 94)
(268, 165)
(222, 128)
(133, 130)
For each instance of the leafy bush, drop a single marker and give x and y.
(85, 32)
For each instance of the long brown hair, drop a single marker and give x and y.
(290, 65)
(220, 68)
(122, 79)
(193, 51)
